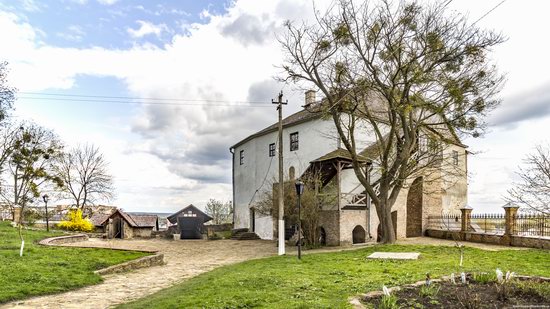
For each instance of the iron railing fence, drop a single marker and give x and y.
(494, 224)
(537, 225)
(449, 222)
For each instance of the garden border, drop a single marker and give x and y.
(357, 300)
(156, 259)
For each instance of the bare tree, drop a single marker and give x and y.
(533, 190)
(221, 212)
(85, 175)
(412, 75)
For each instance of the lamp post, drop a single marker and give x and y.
(46, 198)
(299, 191)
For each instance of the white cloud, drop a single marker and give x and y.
(107, 2)
(147, 28)
(74, 33)
(171, 156)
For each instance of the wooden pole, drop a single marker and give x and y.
(281, 232)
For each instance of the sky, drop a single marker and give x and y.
(210, 58)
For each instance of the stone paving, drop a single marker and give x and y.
(184, 259)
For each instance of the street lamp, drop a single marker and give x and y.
(46, 198)
(299, 191)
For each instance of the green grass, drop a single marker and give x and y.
(327, 280)
(45, 270)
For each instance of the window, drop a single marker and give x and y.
(241, 157)
(455, 157)
(272, 150)
(294, 141)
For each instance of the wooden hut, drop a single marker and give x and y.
(190, 222)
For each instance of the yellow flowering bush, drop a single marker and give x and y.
(75, 222)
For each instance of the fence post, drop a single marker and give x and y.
(465, 218)
(511, 211)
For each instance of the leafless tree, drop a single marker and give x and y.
(533, 190)
(411, 74)
(221, 212)
(7, 93)
(85, 175)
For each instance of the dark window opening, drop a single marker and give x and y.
(241, 157)
(272, 150)
(455, 157)
(294, 141)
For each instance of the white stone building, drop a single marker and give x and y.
(310, 141)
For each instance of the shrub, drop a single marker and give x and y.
(75, 222)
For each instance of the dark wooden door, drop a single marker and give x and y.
(190, 227)
(414, 209)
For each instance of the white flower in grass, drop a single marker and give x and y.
(500, 275)
(510, 275)
(385, 290)
(453, 278)
(463, 278)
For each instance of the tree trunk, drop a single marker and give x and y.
(383, 210)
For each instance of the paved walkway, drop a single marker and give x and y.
(184, 259)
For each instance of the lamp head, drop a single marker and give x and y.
(299, 187)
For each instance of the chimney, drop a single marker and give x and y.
(310, 97)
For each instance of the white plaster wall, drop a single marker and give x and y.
(259, 171)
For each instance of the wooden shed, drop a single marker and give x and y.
(124, 225)
(190, 222)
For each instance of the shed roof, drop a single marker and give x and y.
(339, 153)
(173, 218)
(135, 220)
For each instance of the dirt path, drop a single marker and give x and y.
(184, 259)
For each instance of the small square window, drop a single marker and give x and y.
(272, 149)
(455, 157)
(294, 141)
(241, 157)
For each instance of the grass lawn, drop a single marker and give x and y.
(44, 270)
(327, 280)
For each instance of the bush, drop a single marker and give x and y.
(75, 222)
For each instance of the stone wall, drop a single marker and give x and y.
(54, 241)
(506, 240)
(329, 221)
(146, 261)
(349, 219)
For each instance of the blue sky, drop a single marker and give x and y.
(166, 157)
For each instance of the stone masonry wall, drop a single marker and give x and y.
(349, 219)
(329, 220)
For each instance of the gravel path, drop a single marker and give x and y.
(184, 259)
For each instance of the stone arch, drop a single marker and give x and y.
(322, 236)
(414, 208)
(358, 235)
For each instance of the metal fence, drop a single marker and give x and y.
(534, 225)
(448, 222)
(531, 225)
(494, 224)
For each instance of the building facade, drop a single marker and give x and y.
(310, 142)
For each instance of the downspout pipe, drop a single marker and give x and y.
(369, 169)
(232, 150)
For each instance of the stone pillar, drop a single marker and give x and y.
(16, 214)
(510, 212)
(466, 213)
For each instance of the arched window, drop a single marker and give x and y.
(358, 235)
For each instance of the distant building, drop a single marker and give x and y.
(189, 222)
